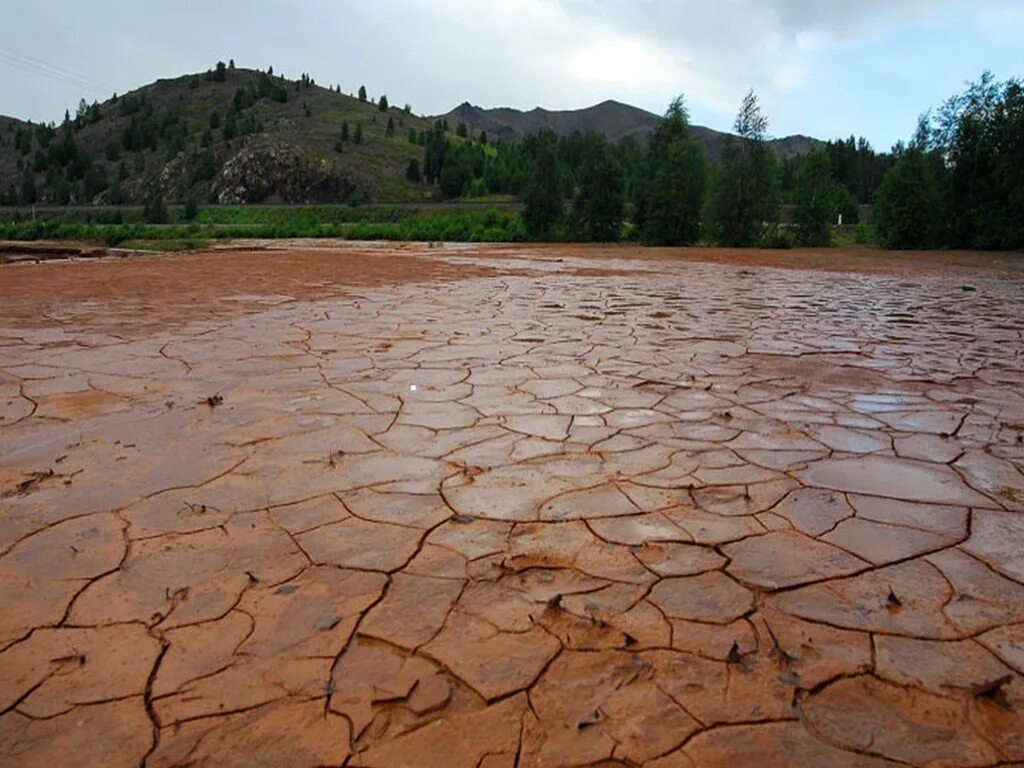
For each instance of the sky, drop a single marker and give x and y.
(824, 68)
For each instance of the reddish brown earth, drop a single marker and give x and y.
(512, 506)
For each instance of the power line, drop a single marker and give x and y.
(54, 72)
(54, 68)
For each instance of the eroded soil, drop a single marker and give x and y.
(512, 507)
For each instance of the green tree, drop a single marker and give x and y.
(453, 179)
(815, 199)
(435, 149)
(344, 130)
(390, 130)
(670, 192)
(382, 105)
(220, 74)
(27, 193)
(461, 130)
(191, 209)
(597, 210)
(980, 133)
(483, 137)
(543, 199)
(155, 211)
(362, 93)
(909, 208)
(413, 138)
(359, 133)
(412, 171)
(744, 199)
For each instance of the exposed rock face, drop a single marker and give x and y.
(260, 170)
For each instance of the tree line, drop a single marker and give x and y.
(676, 196)
(662, 193)
(958, 183)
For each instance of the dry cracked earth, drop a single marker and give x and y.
(511, 507)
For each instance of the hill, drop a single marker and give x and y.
(615, 120)
(237, 136)
(225, 136)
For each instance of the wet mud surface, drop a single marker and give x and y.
(512, 507)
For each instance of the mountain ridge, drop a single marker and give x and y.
(238, 136)
(615, 119)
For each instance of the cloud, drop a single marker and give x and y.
(816, 64)
(715, 51)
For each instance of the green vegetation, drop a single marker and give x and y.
(490, 225)
(671, 191)
(909, 206)
(743, 199)
(599, 206)
(815, 199)
(968, 163)
(253, 133)
(240, 136)
(543, 198)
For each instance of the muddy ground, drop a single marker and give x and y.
(321, 504)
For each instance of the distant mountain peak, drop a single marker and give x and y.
(614, 119)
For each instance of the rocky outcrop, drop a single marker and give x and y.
(261, 171)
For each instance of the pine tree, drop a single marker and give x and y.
(815, 199)
(597, 210)
(382, 105)
(745, 191)
(909, 209)
(670, 193)
(362, 93)
(435, 148)
(390, 130)
(155, 211)
(344, 130)
(543, 198)
(27, 194)
(359, 133)
(412, 171)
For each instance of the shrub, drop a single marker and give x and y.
(775, 236)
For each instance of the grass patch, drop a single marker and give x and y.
(490, 225)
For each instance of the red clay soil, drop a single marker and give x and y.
(512, 506)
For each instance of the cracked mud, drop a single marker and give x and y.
(402, 506)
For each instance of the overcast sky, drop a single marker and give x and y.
(822, 67)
